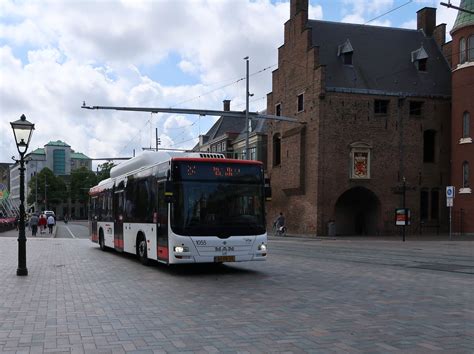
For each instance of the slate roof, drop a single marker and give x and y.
(463, 18)
(382, 61)
(225, 125)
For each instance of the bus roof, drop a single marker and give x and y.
(151, 158)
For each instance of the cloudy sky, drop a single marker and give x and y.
(156, 53)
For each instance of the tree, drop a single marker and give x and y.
(81, 181)
(103, 171)
(50, 189)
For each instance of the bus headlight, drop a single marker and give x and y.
(262, 247)
(181, 249)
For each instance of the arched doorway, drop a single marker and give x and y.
(357, 212)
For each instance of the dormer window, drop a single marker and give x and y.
(345, 50)
(420, 58)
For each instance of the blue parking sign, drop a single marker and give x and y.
(450, 192)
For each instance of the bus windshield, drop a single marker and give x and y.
(218, 199)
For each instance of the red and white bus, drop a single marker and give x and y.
(177, 207)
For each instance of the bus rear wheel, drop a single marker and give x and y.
(142, 250)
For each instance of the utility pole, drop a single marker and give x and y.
(247, 120)
(45, 196)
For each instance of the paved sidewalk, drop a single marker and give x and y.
(321, 296)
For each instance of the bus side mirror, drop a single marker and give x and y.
(268, 190)
(169, 192)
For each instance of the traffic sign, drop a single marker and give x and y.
(449, 202)
(450, 192)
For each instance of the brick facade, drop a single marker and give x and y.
(312, 185)
(462, 148)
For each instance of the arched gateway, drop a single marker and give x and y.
(357, 212)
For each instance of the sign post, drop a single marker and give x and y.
(449, 203)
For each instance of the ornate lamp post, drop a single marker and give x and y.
(22, 129)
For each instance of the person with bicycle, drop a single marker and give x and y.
(280, 225)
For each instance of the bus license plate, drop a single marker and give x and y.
(220, 259)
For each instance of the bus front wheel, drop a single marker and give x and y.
(142, 250)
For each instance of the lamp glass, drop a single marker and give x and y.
(22, 129)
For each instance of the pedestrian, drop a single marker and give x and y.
(51, 223)
(42, 223)
(279, 225)
(34, 224)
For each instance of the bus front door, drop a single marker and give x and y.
(118, 220)
(161, 220)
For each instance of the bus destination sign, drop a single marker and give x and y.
(216, 171)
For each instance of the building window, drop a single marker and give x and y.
(253, 153)
(300, 102)
(278, 109)
(276, 150)
(465, 174)
(59, 162)
(421, 64)
(424, 205)
(462, 50)
(347, 58)
(416, 108)
(470, 48)
(466, 125)
(434, 204)
(381, 106)
(429, 143)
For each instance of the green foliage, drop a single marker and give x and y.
(54, 186)
(81, 180)
(104, 171)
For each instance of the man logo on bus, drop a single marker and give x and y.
(224, 250)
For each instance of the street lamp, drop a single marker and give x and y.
(22, 130)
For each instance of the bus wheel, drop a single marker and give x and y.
(142, 250)
(101, 241)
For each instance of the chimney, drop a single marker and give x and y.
(426, 20)
(226, 105)
(298, 5)
(439, 34)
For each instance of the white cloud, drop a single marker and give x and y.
(54, 55)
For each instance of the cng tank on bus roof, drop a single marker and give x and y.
(150, 158)
(146, 158)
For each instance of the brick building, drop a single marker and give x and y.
(462, 128)
(376, 103)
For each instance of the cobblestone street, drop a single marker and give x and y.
(310, 296)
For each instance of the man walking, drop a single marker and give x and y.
(34, 220)
(51, 223)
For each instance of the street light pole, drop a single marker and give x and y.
(22, 130)
(247, 120)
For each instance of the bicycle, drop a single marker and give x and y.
(279, 231)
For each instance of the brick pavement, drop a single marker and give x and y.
(78, 299)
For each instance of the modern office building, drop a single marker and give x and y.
(55, 155)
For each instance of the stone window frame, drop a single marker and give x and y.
(278, 109)
(300, 108)
(356, 148)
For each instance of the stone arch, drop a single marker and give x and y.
(357, 212)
